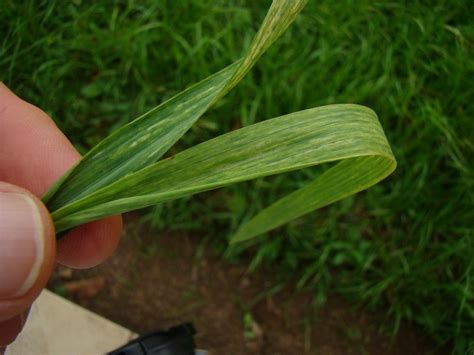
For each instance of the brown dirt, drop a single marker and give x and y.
(156, 281)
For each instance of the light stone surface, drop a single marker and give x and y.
(57, 326)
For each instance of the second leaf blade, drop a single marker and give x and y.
(291, 142)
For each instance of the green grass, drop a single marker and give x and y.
(405, 246)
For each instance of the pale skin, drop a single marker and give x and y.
(34, 153)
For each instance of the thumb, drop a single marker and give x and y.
(27, 253)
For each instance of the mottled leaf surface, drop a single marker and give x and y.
(124, 172)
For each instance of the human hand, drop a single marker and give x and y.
(34, 154)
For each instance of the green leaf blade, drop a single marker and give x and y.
(348, 177)
(121, 173)
(147, 138)
(286, 143)
(139, 143)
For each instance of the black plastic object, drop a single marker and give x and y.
(174, 341)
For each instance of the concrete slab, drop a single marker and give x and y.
(57, 326)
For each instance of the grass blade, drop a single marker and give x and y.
(147, 138)
(350, 133)
(121, 173)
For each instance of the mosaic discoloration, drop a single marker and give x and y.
(122, 173)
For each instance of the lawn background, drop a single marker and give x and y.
(405, 246)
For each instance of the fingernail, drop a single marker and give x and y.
(21, 244)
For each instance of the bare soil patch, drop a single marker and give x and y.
(155, 281)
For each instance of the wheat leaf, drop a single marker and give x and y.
(123, 172)
(350, 133)
(147, 138)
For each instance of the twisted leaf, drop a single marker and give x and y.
(122, 173)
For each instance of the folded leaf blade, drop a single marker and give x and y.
(348, 177)
(290, 142)
(122, 173)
